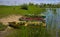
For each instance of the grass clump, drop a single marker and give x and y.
(2, 27)
(29, 31)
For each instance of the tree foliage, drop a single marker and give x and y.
(24, 7)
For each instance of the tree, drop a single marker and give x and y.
(31, 4)
(24, 6)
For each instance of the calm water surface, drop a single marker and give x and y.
(53, 21)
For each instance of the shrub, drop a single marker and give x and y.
(25, 7)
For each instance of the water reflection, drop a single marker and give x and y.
(53, 21)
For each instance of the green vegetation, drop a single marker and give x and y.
(29, 31)
(22, 10)
(26, 9)
(50, 5)
(2, 27)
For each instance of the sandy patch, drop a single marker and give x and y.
(10, 18)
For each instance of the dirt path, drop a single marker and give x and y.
(10, 18)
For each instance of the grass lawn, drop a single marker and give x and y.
(8, 10)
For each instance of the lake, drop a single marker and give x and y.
(53, 21)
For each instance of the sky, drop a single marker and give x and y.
(18, 2)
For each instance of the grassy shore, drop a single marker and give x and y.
(8, 10)
(25, 31)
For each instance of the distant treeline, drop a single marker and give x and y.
(42, 5)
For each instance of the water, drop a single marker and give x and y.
(53, 21)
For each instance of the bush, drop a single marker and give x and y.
(25, 7)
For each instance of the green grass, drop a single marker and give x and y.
(28, 32)
(2, 27)
(8, 10)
